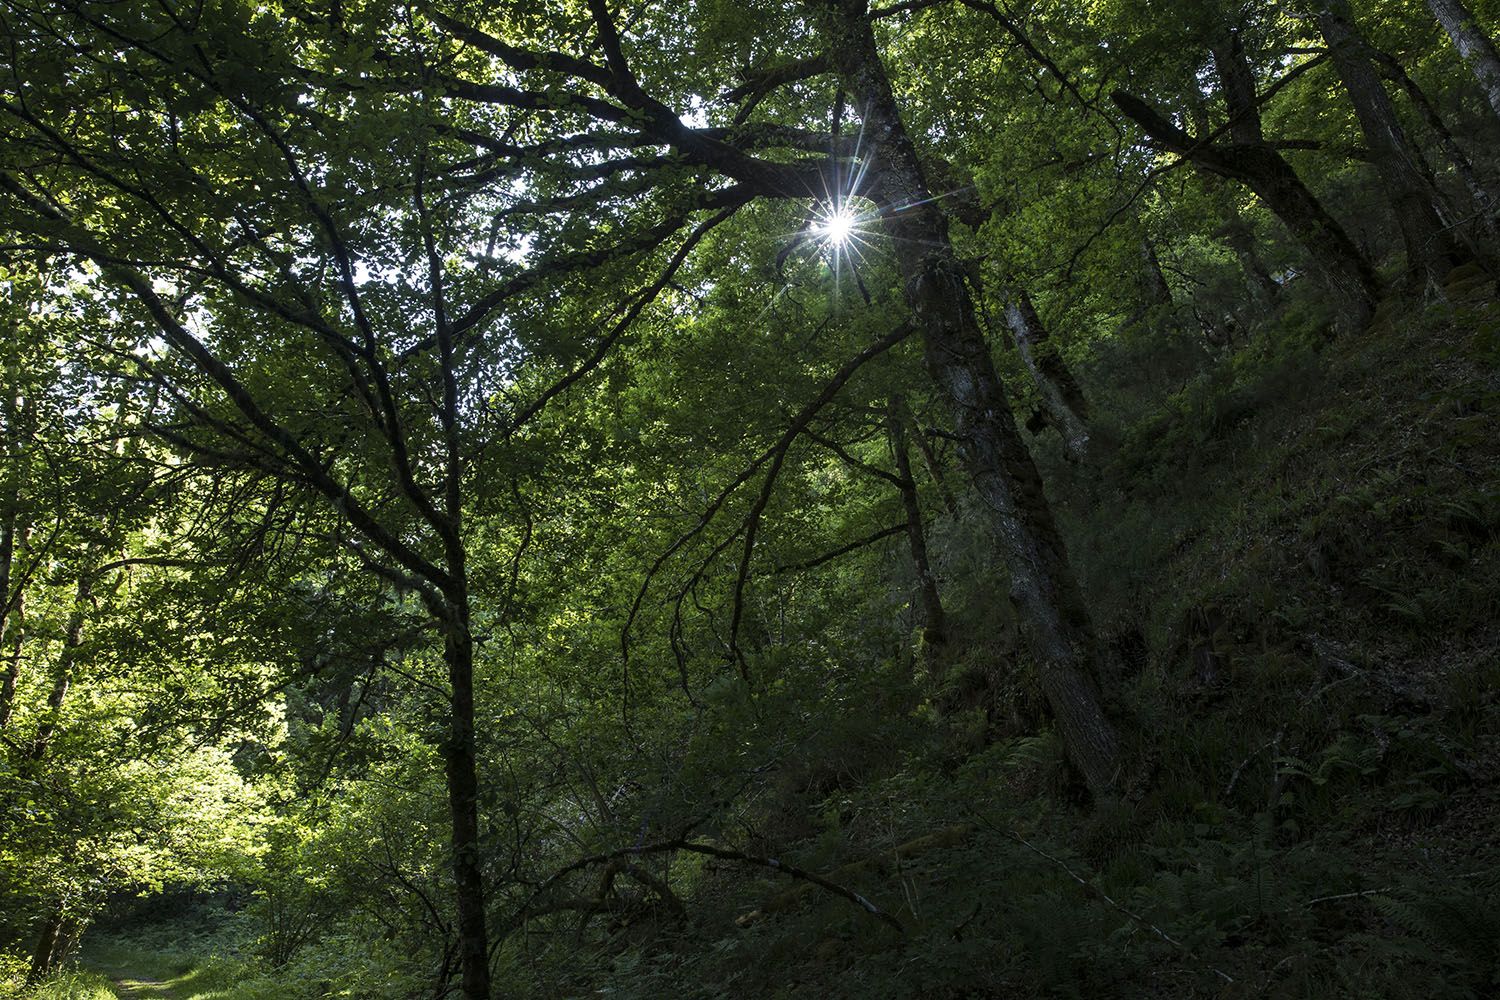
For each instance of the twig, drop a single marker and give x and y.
(1348, 895)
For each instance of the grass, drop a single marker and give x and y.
(74, 984)
(170, 973)
(124, 969)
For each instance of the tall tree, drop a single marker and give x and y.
(1474, 45)
(1431, 247)
(1250, 159)
(1481, 199)
(1059, 633)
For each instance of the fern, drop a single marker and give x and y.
(1459, 922)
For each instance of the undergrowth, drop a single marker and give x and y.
(68, 984)
(1299, 570)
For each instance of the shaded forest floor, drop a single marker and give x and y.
(1294, 561)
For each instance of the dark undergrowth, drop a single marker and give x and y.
(1296, 564)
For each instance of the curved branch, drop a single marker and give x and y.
(779, 453)
(842, 550)
(765, 80)
(726, 854)
(601, 350)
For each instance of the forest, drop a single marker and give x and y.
(749, 499)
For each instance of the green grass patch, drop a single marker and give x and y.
(73, 984)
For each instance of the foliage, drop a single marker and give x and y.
(465, 513)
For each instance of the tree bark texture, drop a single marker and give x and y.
(1062, 399)
(1473, 44)
(1430, 245)
(1054, 620)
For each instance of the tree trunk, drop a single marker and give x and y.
(929, 457)
(1481, 197)
(46, 948)
(1302, 213)
(1062, 399)
(16, 627)
(1158, 291)
(12, 536)
(11, 612)
(1054, 619)
(1430, 246)
(68, 935)
(7, 553)
(67, 661)
(1237, 84)
(934, 619)
(1473, 44)
(1239, 238)
(1265, 171)
(463, 797)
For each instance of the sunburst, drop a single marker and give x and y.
(837, 228)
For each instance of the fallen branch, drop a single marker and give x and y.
(693, 847)
(946, 837)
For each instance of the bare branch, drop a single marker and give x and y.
(779, 453)
(713, 851)
(842, 550)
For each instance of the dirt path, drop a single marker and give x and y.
(142, 989)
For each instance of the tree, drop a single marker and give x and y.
(1062, 400)
(1249, 158)
(1430, 244)
(530, 420)
(1473, 44)
(1059, 634)
(96, 798)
